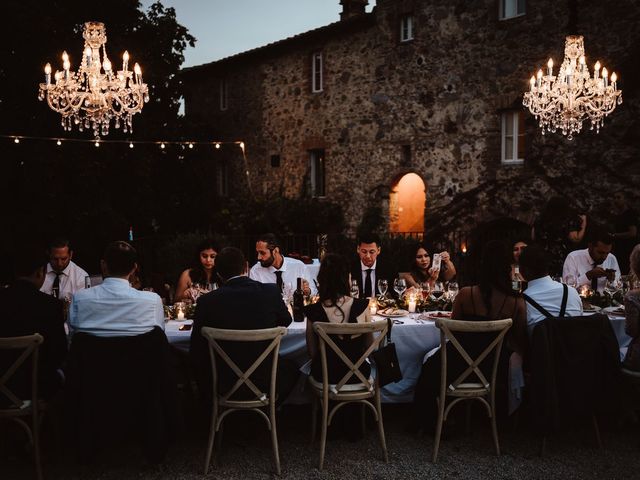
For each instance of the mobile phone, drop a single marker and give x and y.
(398, 322)
(185, 326)
(436, 261)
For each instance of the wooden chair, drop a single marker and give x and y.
(223, 403)
(365, 392)
(19, 408)
(460, 389)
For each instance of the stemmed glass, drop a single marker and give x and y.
(399, 285)
(438, 289)
(426, 290)
(383, 286)
(613, 286)
(571, 281)
(194, 292)
(452, 290)
(355, 290)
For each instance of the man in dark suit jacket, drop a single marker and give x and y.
(26, 311)
(370, 268)
(239, 304)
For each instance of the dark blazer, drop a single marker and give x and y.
(383, 270)
(575, 369)
(25, 311)
(240, 304)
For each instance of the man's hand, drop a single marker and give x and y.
(597, 273)
(305, 288)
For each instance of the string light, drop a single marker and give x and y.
(162, 145)
(190, 145)
(97, 144)
(217, 145)
(16, 140)
(130, 144)
(59, 142)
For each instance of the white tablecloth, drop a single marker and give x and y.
(413, 339)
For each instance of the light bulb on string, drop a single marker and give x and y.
(130, 144)
(16, 140)
(59, 142)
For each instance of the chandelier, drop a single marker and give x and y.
(96, 94)
(564, 101)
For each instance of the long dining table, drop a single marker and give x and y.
(413, 338)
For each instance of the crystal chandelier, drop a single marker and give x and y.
(96, 94)
(564, 101)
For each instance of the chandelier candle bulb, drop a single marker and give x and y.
(605, 76)
(138, 71)
(596, 70)
(540, 78)
(550, 67)
(47, 74)
(614, 79)
(125, 61)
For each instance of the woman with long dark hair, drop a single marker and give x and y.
(202, 271)
(336, 306)
(491, 299)
(422, 270)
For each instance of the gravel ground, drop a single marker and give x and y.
(246, 454)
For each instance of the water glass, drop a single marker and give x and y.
(383, 286)
(452, 290)
(399, 285)
(571, 281)
(355, 290)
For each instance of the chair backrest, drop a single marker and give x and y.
(449, 328)
(29, 345)
(326, 329)
(214, 335)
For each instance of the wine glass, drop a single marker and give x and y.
(571, 281)
(383, 286)
(194, 291)
(355, 290)
(426, 290)
(399, 285)
(452, 290)
(438, 289)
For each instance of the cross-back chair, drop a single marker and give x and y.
(19, 408)
(223, 402)
(461, 389)
(365, 391)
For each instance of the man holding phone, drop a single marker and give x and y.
(595, 265)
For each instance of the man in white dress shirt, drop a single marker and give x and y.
(594, 265)
(114, 308)
(273, 267)
(63, 277)
(546, 292)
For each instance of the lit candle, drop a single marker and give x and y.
(47, 73)
(532, 83)
(412, 304)
(180, 315)
(373, 308)
(596, 70)
(605, 76)
(614, 79)
(550, 67)
(125, 61)
(138, 71)
(540, 77)
(584, 291)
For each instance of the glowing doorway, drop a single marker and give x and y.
(406, 204)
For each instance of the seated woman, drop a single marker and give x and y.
(632, 310)
(202, 272)
(491, 299)
(518, 246)
(336, 306)
(421, 273)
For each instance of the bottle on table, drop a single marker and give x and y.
(298, 302)
(517, 281)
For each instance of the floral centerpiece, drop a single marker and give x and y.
(171, 312)
(427, 303)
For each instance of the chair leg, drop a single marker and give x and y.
(494, 428)
(212, 436)
(383, 441)
(436, 440)
(314, 419)
(468, 418)
(363, 424)
(596, 428)
(274, 435)
(36, 446)
(323, 434)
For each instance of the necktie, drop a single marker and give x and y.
(367, 284)
(55, 289)
(279, 279)
(594, 280)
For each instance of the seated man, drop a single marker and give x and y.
(534, 267)
(114, 308)
(26, 311)
(594, 265)
(64, 277)
(273, 267)
(370, 268)
(239, 304)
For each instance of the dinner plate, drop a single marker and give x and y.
(619, 310)
(435, 315)
(591, 309)
(396, 313)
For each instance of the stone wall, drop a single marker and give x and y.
(442, 94)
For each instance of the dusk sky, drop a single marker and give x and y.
(227, 27)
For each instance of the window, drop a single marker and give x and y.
(275, 161)
(316, 72)
(406, 28)
(223, 94)
(511, 9)
(406, 155)
(512, 137)
(316, 173)
(222, 184)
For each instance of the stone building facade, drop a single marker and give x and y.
(426, 87)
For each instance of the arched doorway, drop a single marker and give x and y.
(406, 204)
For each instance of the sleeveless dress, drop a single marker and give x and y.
(353, 347)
